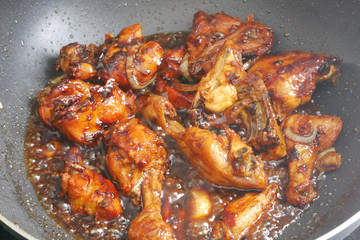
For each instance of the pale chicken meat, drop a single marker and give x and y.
(221, 159)
(149, 224)
(306, 136)
(210, 32)
(132, 151)
(241, 215)
(82, 110)
(290, 77)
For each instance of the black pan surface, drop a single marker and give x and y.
(32, 32)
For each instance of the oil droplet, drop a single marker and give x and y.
(287, 34)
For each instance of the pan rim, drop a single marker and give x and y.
(15, 228)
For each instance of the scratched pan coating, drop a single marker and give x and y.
(32, 32)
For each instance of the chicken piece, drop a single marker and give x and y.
(160, 111)
(228, 96)
(124, 58)
(150, 223)
(241, 215)
(210, 32)
(290, 77)
(254, 116)
(170, 66)
(91, 193)
(223, 160)
(132, 151)
(81, 110)
(78, 61)
(305, 136)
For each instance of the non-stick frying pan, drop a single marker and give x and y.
(32, 33)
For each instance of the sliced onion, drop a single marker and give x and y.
(301, 139)
(185, 87)
(328, 160)
(184, 68)
(134, 83)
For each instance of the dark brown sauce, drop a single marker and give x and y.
(45, 162)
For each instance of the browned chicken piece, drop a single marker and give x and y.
(81, 110)
(223, 160)
(290, 77)
(78, 61)
(124, 58)
(226, 95)
(241, 215)
(210, 32)
(150, 225)
(306, 135)
(133, 150)
(91, 193)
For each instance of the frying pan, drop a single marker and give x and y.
(32, 32)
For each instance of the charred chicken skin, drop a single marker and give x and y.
(81, 110)
(150, 225)
(130, 62)
(223, 160)
(240, 215)
(306, 136)
(133, 150)
(210, 32)
(290, 77)
(91, 193)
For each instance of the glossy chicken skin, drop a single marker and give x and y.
(150, 225)
(78, 61)
(306, 136)
(80, 110)
(290, 77)
(133, 150)
(241, 215)
(223, 160)
(210, 32)
(131, 63)
(91, 193)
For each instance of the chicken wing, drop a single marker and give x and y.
(241, 215)
(78, 61)
(91, 193)
(150, 225)
(81, 110)
(124, 58)
(210, 32)
(223, 160)
(226, 95)
(290, 77)
(133, 150)
(305, 136)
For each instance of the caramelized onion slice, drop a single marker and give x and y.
(328, 160)
(183, 87)
(299, 138)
